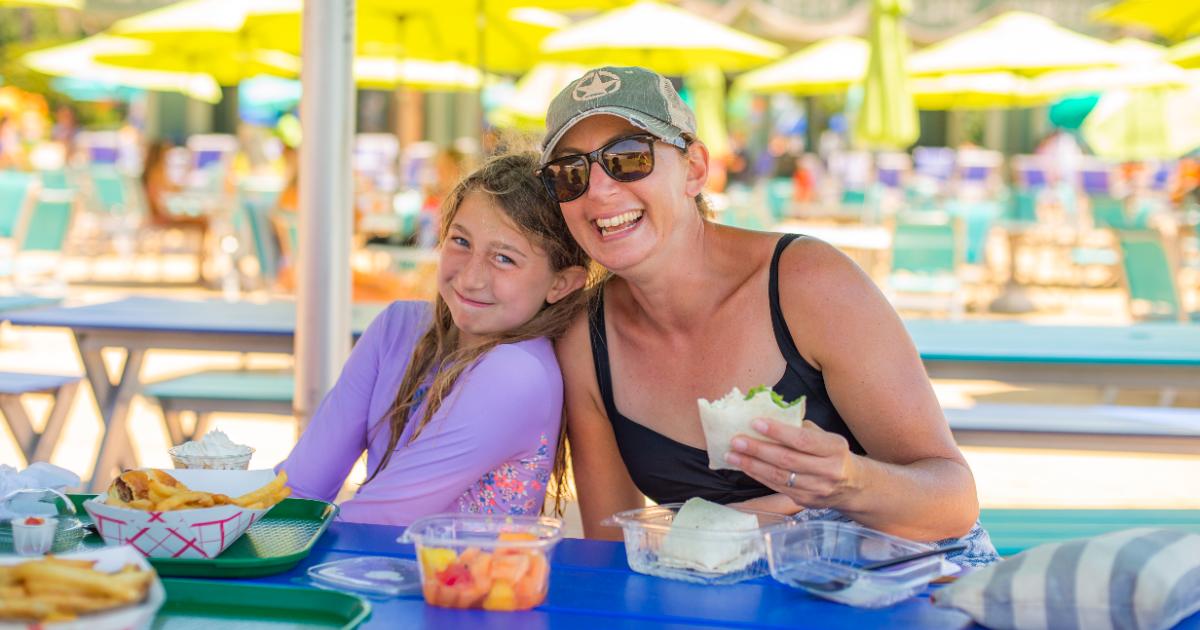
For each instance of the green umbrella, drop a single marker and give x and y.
(888, 117)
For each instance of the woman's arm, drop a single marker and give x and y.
(601, 479)
(914, 481)
(500, 410)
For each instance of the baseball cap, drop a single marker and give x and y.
(646, 99)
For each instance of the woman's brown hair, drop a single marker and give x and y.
(510, 183)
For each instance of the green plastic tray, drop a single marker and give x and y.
(210, 604)
(276, 543)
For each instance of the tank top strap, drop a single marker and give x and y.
(599, 342)
(783, 336)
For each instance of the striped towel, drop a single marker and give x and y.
(1141, 578)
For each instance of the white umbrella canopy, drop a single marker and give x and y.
(973, 90)
(526, 107)
(663, 38)
(1019, 42)
(826, 67)
(78, 59)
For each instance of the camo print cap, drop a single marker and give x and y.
(646, 99)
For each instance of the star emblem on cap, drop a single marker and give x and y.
(596, 84)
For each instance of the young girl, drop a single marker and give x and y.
(459, 406)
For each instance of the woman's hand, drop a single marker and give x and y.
(813, 467)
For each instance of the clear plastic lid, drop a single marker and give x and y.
(370, 575)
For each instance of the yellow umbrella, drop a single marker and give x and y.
(526, 107)
(1023, 43)
(441, 30)
(661, 37)
(1186, 54)
(78, 59)
(973, 90)
(1145, 124)
(887, 118)
(706, 89)
(826, 67)
(1173, 19)
(421, 74)
(52, 4)
(210, 36)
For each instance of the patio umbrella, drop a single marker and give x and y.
(421, 74)
(446, 30)
(887, 118)
(1143, 65)
(1172, 19)
(706, 90)
(666, 39)
(973, 90)
(53, 4)
(526, 107)
(210, 36)
(1186, 54)
(1018, 42)
(826, 67)
(78, 59)
(1161, 123)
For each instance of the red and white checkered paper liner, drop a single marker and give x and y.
(188, 533)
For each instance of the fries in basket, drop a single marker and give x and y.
(158, 491)
(59, 589)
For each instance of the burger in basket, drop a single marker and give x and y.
(161, 516)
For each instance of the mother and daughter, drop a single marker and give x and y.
(461, 406)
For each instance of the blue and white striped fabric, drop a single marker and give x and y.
(1143, 578)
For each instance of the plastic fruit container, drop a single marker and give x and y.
(703, 556)
(484, 561)
(823, 558)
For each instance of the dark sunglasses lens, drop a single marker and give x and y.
(630, 159)
(567, 177)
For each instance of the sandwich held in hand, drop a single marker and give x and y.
(725, 418)
(59, 589)
(707, 536)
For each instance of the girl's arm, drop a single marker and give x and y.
(913, 482)
(497, 413)
(337, 433)
(601, 479)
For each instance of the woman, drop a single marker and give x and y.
(694, 308)
(459, 409)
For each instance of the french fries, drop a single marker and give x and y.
(157, 491)
(56, 589)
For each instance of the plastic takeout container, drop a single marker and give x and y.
(236, 461)
(822, 557)
(377, 576)
(484, 561)
(704, 556)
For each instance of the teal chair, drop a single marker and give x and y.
(220, 391)
(1149, 277)
(14, 195)
(977, 218)
(926, 252)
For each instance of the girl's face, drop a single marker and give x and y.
(619, 224)
(491, 276)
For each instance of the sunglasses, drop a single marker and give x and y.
(625, 159)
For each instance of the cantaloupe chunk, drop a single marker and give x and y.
(500, 597)
(514, 536)
(510, 567)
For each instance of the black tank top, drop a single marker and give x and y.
(668, 471)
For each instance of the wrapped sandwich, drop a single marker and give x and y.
(722, 419)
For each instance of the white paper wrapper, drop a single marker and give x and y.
(110, 559)
(723, 419)
(710, 537)
(191, 533)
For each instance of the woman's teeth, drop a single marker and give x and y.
(619, 222)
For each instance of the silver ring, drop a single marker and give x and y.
(791, 480)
